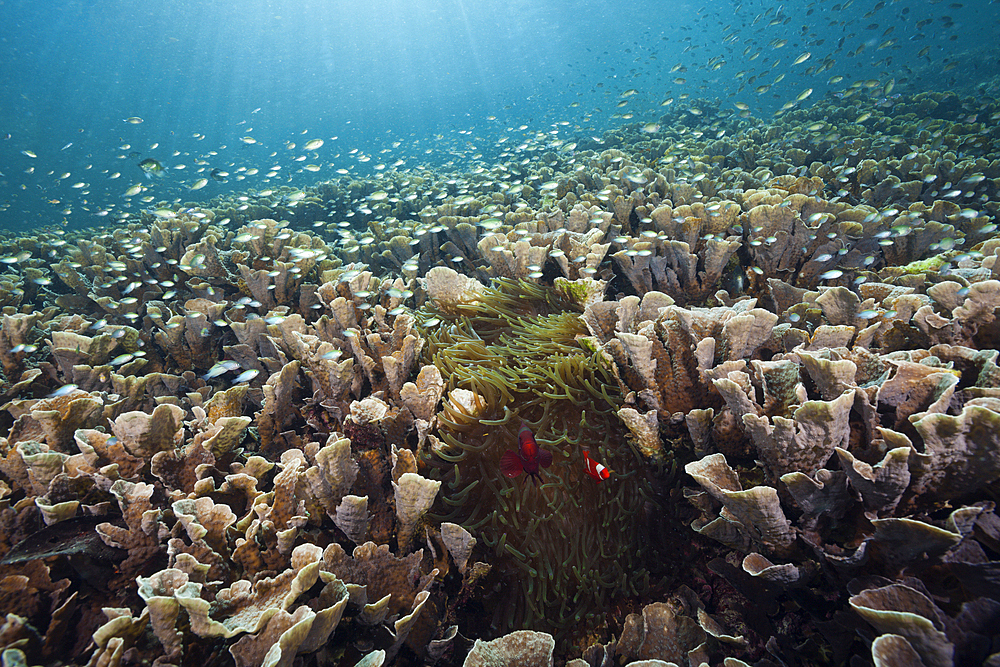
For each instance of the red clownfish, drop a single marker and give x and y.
(528, 458)
(596, 470)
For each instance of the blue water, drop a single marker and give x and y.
(426, 82)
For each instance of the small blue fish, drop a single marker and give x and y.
(64, 390)
(122, 359)
(219, 369)
(246, 376)
(214, 372)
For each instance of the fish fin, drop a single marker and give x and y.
(544, 457)
(511, 464)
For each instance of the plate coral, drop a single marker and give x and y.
(246, 434)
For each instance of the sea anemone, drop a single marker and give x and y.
(569, 545)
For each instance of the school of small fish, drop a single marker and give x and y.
(831, 99)
(757, 60)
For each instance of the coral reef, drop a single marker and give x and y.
(245, 433)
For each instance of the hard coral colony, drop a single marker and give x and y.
(228, 437)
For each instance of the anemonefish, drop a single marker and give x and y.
(596, 470)
(529, 457)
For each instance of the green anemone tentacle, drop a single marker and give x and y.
(518, 349)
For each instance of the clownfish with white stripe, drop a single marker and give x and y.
(598, 471)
